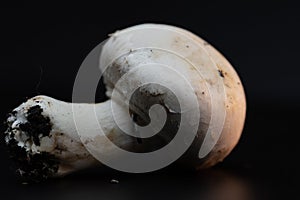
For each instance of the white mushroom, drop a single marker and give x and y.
(198, 91)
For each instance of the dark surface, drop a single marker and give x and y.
(261, 40)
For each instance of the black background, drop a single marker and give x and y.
(42, 47)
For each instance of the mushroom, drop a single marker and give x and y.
(172, 98)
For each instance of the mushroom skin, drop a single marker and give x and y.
(64, 150)
(201, 53)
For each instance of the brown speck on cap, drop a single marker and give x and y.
(221, 73)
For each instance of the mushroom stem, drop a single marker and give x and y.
(46, 126)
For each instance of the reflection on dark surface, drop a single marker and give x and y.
(94, 184)
(220, 184)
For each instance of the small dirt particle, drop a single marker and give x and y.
(221, 73)
(114, 181)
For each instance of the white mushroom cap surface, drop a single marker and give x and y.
(219, 90)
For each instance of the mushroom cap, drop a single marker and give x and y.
(158, 64)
